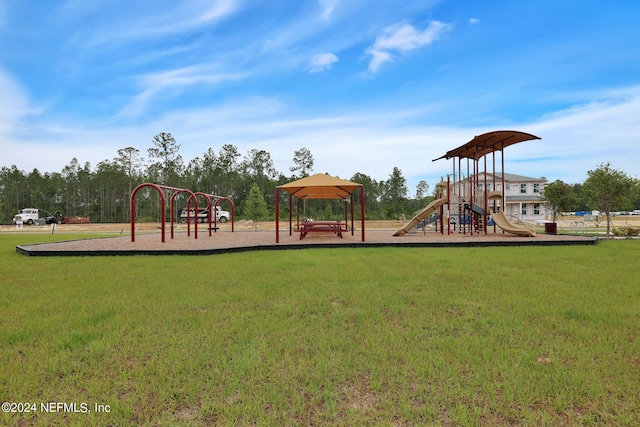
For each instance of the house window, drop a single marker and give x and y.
(524, 209)
(523, 188)
(536, 208)
(508, 186)
(536, 188)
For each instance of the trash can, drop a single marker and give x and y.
(551, 228)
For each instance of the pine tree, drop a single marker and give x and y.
(256, 208)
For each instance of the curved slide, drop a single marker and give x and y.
(431, 207)
(501, 221)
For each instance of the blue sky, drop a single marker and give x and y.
(366, 86)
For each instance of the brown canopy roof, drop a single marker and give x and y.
(488, 143)
(320, 186)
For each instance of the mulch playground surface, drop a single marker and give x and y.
(225, 241)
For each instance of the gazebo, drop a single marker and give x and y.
(319, 186)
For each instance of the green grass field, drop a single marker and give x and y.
(372, 336)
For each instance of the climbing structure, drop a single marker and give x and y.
(472, 197)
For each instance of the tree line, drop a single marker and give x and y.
(102, 192)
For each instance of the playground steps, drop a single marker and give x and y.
(428, 221)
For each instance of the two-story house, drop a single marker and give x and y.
(523, 194)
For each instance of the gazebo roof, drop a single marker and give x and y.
(487, 143)
(320, 186)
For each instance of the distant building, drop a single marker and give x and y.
(523, 194)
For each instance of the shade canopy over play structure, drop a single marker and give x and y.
(320, 186)
(474, 196)
(487, 143)
(479, 148)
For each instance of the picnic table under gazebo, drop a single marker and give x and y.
(320, 186)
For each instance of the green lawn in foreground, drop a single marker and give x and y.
(381, 336)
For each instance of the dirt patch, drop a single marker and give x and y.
(245, 225)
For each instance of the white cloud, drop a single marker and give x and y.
(322, 62)
(402, 38)
(218, 10)
(327, 6)
(473, 21)
(177, 17)
(13, 102)
(579, 138)
(574, 140)
(172, 82)
(379, 58)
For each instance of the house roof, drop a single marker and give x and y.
(320, 186)
(490, 142)
(511, 177)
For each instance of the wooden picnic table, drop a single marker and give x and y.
(307, 227)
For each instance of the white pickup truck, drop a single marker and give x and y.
(221, 216)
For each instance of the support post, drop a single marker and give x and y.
(278, 215)
(290, 217)
(362, 209)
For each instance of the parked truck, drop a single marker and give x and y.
(30, 216)
(202, 216)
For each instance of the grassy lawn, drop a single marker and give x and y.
(381, 336)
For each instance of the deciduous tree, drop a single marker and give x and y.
(610, 190)
(558, 197)
(371, 192)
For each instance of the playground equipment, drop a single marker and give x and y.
(465, 200)
(202, 215)
(205, 215)
(578, 226)
(520, 230)
(161, 192)
(420, 216)
(193, 197)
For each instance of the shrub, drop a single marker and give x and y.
(626, 231)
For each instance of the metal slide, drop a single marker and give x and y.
(431, 207)
(501, 221)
